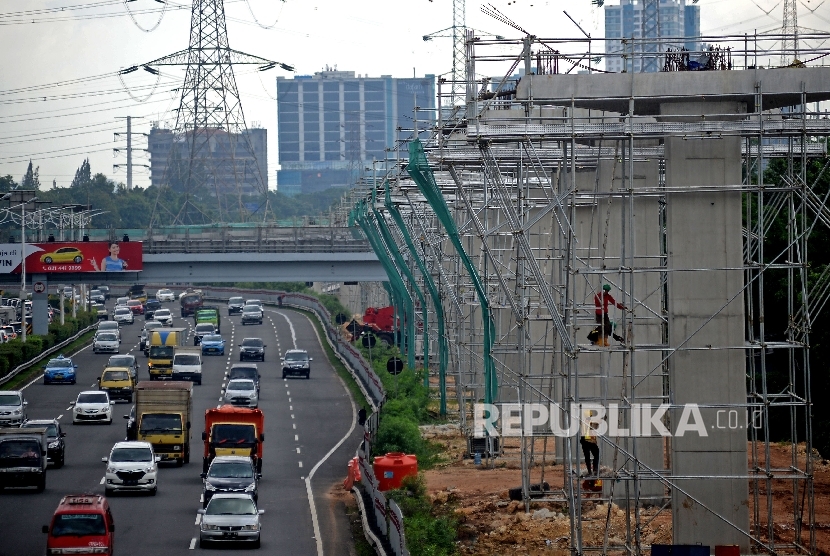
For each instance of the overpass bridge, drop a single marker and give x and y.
(232, 253)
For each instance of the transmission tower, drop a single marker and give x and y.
(789, 44)
(458, 32)
(212, 152)
(650, 35)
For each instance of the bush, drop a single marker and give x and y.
(430, 530)
(398, 434)
(4, 367)
(12, 352)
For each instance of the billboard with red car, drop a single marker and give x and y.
(76, 256)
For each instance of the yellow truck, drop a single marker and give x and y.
(117, 382)
(163, 411)
(163, 344)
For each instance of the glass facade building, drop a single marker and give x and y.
(331, 124)
(625, 20)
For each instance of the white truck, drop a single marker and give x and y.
(187, 364)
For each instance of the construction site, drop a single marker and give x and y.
(544, 191)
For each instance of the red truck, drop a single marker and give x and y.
(190, 300)
(380, 322)
(233, 431)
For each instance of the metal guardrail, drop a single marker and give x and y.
(43, 355)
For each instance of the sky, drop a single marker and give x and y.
(62, 100)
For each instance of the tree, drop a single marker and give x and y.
(83, 175)
(31, 180)
(7, 183)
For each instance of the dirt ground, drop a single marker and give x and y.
(493, 524)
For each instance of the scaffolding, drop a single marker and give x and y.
(516, 215)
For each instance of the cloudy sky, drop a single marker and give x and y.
(61, 99)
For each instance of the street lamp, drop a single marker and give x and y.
(21, 197)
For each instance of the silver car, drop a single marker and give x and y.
(123, 315)
(230, 518)
(12, 408)
(105, 342)
(164, 316)
(110, 326)
(242, 391)
(132, 466)
(126, 360)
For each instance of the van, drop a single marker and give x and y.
(82, 524)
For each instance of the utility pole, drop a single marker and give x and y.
(129, 164)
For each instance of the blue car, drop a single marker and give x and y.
(60, 369)
(213, 344)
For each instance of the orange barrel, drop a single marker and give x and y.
(391, 469)
(727, 550)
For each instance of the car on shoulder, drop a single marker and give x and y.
(136, 306)
(105, 342)
(230, 474)
(252, 349)
(131, 466)
(165, 295)
(242, 392)
(235, 305)
(230, 517)
(251, 314)
(60, 370)
(81, 521)
(56, 447)
(92, 406)
(213, 344)
(151, 307)
(123, 315)
(296, 362)
(12, 408)
(164, 316)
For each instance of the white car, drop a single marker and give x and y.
(165, 295)
(241, 391)
(121, 301)
(187, 365)
(110, 326)
(123, 315)
(164, 316)
(105, 342)
(92, 405)
(132, 466)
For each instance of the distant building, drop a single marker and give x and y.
(331, 124)
(223, 160)
(677, 19)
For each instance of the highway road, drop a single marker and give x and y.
(304, 421)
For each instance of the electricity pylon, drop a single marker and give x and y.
(789, 44)
(459, 36)
(212, 152)
(651, 36)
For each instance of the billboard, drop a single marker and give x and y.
(77, 256)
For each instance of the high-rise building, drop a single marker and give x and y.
(332, 123)
(226, 165)
(625, 20)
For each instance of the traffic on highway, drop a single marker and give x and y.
(162, 440)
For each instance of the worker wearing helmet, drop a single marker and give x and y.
(601, 300)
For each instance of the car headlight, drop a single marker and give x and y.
(209, 487)
(54, 444)
(17, 412)
(149, 469)
(105, 410)
(251, 487)
(112, 470)
(252, 527)
(209, 527)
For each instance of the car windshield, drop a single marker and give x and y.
(231, 470)
(235, 300)
(204, 328)
(160, 422)
(296, 356)
(231, 506)
(165, 292)
(122, 300)
(186, 360)
(93, 397)
(108, 326)
(212, 338)
(116, 375)
(108, 337)
(51, 429)
(233, 434)
(152, 324)
(78, 525)
(252, 342)
(122, 311)
(241, 385)
(131, 454)
(253, 302)
(59, 363)
(133, 303)
(243, 373)
(251, 309)
(10, 399)
(161, 351)
(121, 361)
(19, 452)
(162, 313)
(95, 292)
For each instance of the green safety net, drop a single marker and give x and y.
(418, 168)
(436, 302)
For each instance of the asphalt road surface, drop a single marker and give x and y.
(304, 421)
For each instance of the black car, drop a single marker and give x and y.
(252, 349)
(245, 370)
(235, 305)
(150, 308)
(56, 452)
(230, 474)
(132, 433)
(296, 362)
(104, 290)
(251, 314)
(97, 296)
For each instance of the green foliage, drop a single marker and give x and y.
(398, 434)
(7, 183)
(430, 530)
(332, 305)
(31, 179)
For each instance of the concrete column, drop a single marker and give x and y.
(40, 306)
(706, 319)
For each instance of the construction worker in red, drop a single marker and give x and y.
(601, 300)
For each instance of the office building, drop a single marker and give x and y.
(679, 19)
(333, 123)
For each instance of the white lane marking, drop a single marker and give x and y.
(298, 450)
(296, 436)
(69, 408)
(287, 392)
(289, 400)
(103, 480)
(202, 498)
(292, 415)
(291, 326)
(290, 407)
(198, 519)
(60, 416)
(192, 543)
(295, 426)
(312, 503)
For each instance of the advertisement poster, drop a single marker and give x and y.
(77, 256)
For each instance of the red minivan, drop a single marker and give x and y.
(82, 524)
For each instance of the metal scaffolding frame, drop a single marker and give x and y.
(519, 212)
